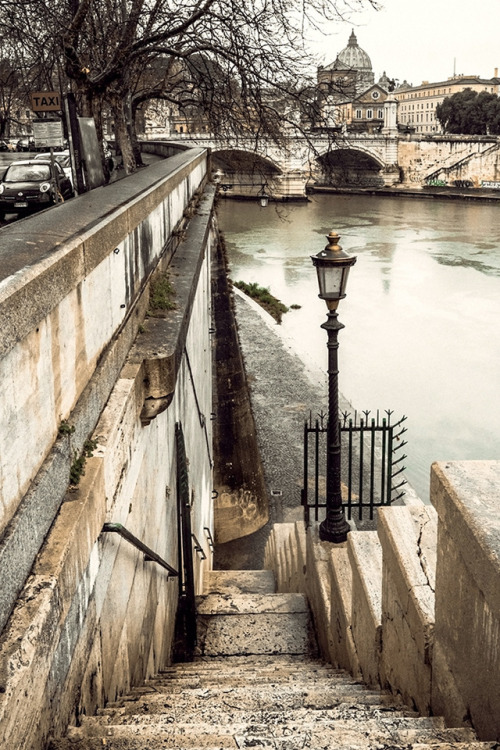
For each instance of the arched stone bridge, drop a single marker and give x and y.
(250, 166)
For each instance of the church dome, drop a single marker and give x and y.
(353, 57)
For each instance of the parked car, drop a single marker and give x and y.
(3, 146)
(25, 144)
(63, 158)
(31, 185)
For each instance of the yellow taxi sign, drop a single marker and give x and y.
(45, 101)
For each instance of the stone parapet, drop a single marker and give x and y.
(408, 537)
(365, 556)
(344, 646)
(73, 283)
(466, 666)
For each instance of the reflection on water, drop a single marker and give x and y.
(421, 311)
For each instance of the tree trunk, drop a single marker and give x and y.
(122, 134)
(97, 106)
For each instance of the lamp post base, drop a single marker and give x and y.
(334, 530)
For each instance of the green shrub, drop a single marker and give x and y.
(263, 296)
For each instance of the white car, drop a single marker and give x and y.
(62, 158)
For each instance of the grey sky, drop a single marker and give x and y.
(425, 40)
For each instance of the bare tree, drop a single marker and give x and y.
(235, 61)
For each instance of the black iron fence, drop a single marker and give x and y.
(371, 463)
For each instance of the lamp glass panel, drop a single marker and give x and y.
(330, 280)
(344, 279)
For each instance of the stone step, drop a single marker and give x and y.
(240, 604)
(262, 690)
(249, 671)
(280, 633)
(252, 689)
(265, 663)
(231, 710)
(158, 743)
(314, 734)
(240, 581)
(179, 684)
(298, 681)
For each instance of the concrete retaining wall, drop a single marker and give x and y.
(449, 158)
(416, 609)
(85, 615)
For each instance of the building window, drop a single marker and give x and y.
(359, 114)
(369, 114)
(380, 114)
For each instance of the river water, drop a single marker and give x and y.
(421, 314)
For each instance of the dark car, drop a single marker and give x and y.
(32, 185)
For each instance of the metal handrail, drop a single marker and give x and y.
(198, 547)
(149, 554)
(210, 538)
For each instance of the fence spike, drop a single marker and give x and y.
(398, 460)
(399, 472)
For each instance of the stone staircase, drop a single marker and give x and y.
(257, 681)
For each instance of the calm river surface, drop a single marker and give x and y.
(421, 314)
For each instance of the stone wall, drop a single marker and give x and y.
(85, 615)
(449, 158)
(241, 504)
(466, 664)
(417, 610)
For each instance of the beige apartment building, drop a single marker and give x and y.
(417, 104)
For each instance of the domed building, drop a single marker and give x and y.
(350, 74)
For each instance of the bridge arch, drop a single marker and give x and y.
(245, 173)
(347, 166)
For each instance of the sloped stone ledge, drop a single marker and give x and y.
(160, 345)
(408, 537)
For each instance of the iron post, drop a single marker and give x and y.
(332, 266)
(335, 527)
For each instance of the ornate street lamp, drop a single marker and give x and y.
(332, 265)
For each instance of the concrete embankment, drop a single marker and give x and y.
(283, 392)
(445, 193)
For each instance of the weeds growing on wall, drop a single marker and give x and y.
(161, 296)
(77, 469)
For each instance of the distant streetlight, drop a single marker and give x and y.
(263, 196)
(332, 265)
